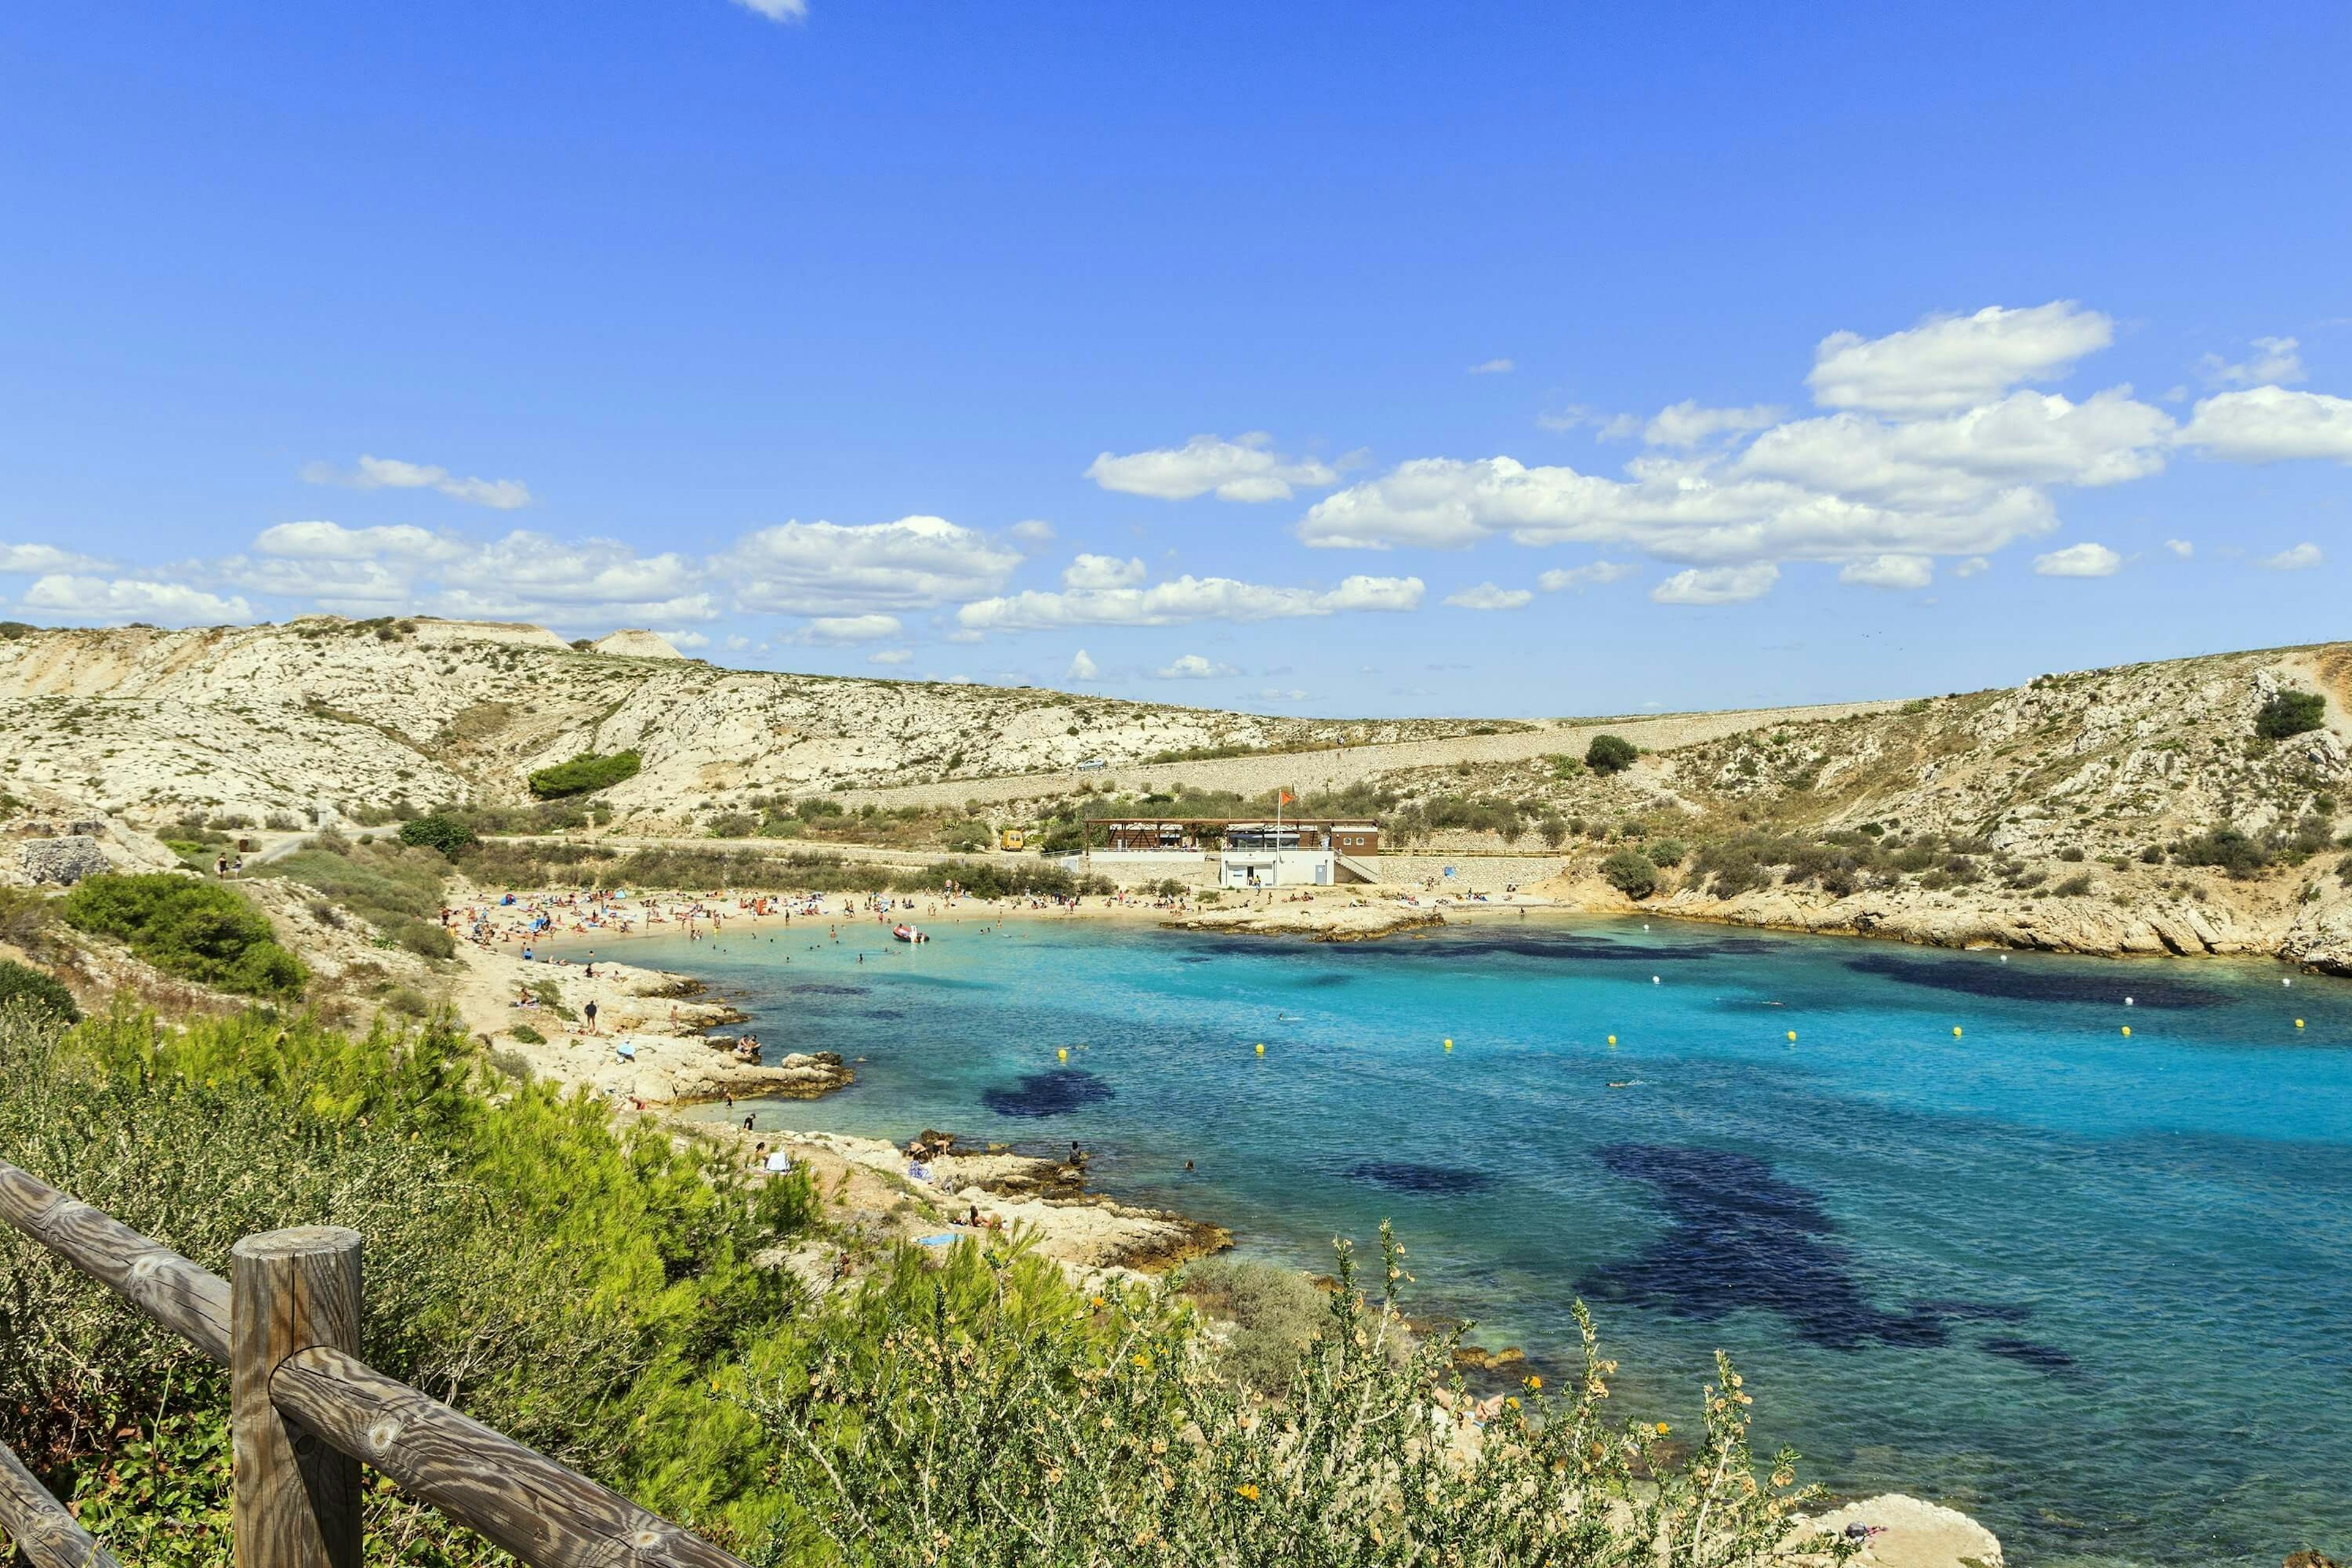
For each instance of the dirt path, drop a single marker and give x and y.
(1338, 768)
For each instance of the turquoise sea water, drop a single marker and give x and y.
(2095, 1290)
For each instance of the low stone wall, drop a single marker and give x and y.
(1471, 873)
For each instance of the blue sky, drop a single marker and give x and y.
(1356, 359)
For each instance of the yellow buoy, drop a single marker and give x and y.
(1792, 1037)
(1956, 1031)
(2298, 1023)
(1449, 1045)
(2126, 1029)
(1612, 1039)
(1261, 1049)
(1064, 1053)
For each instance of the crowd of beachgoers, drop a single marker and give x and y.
(531, 919)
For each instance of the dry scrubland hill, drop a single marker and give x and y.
(2132, 809)
(369, 715)
(2078, 811)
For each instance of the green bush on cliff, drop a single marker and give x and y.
(1632, 873)
(197, 930)
(1611, 754)
(439, 830)
(584, 775)
(22, 985)
(2290, 713)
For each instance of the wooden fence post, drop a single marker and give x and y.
(296, 1500)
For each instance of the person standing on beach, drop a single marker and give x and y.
(589, 1011)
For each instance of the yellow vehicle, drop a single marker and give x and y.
(1012, 838)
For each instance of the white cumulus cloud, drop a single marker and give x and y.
(1949, 362)
(890, 655)
(821, 568)
(1245, 468)
(1596, 571)
(853, 628)
(1890, 571)
(1493, 367)
(1082, 667)
(1102, 572)
(1687, 424)
(777, 10)
(31, 558)
(1032, 531)
(2300, 558)
(2084, 560)
(134, 599)
(2180, 547)
(2270, 424)
(1186, 599)
(392, 473)
(1717, 585)
(1487, 596)
(1192, 667)
(2274, 361)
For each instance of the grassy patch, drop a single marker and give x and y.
(197, 930)
(584, 775)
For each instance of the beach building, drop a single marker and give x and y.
(1242, 852)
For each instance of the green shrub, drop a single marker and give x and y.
(967, 838)
(1553, 831)
(1666, 852)
(426, 941)
(439, 831)
(23, 985)
(197, 930)
(733, 825)
(1266, 1314)
(2225, 847)
(584, 775)
(388, 886)
(527, 1034)
(961, 1422)
(1632, 873)
(816, 806)
(2074, 887)
(1610, 754)
(2290, 713)
(1565, 765)
(572, 1283)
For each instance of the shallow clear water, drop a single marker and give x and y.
(2093, 1289)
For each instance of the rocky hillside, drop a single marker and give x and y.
(372, 716)
(2134, 809)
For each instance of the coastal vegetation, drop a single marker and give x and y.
(584, 775)
(612, 1294)
(2290, 713)
(22, 985)
(1611, 754)
(193, 930)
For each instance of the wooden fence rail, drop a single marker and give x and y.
(306, 1412)
(43, 1531)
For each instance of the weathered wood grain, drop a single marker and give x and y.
(522, 1500)
(296, 1500)
(190, 1302)
(44, 1533)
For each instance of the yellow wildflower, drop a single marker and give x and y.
(1535, 1383)
(1663, 1428)
(1245, 1491)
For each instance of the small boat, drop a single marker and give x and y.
(904, 932)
